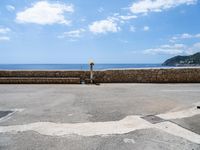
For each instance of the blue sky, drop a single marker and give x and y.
(114, 31)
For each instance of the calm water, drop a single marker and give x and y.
(73, 66)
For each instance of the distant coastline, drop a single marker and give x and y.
(184, 61)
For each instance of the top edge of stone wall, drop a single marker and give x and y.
(114, 69)
(171, 68)
(43, 70)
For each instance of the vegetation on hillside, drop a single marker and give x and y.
(192, 60)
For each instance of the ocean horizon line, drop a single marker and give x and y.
(74, 67)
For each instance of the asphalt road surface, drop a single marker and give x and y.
(104, 117)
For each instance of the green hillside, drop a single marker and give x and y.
(192, 60)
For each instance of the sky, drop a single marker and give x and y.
(114, 31)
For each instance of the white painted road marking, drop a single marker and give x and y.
(180, 90)
(180, 114)
(176, 130)
(126, 125)
(10, 114)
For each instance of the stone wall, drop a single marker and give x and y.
(170, 75)
(180, 75)
(42, 77)
(30, 73)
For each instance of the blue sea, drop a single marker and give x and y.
(73, 66)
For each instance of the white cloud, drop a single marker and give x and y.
(197, 35)
(10, 8)
(101, 9)
(45, 13)
(176, 46)
(73, 34)
(123, 41)
(3, 34)
(175, 49)
(196, 46)
(167, 49)
(121, 18)
(132, 29)
(193, 49)
(128, 17)
(146, 6)
(4, 38)
(184, 36)
(104, 26)
(4, 30)
(111, 24)
(146, 28)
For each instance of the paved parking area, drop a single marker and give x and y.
(108, 116)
